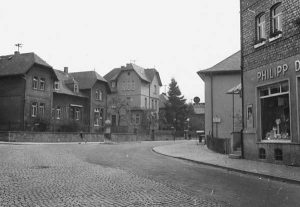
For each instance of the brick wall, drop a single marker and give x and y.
(286, 46)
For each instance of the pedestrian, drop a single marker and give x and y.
(83, 139)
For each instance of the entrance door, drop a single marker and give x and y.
(113, 120)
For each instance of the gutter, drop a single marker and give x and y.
(242, 86)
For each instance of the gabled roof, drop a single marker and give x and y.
(87, 79)
(64, 80)
(150, 73)
(144, 74)
(19, 64)
(230, 64)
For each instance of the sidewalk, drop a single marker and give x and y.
(193, 151)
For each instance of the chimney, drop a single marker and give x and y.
(66, 69)
(17, 53)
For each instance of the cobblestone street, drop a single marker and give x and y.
(51, 175)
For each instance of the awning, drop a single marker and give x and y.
(235, 90)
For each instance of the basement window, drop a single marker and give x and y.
(262, 153)
(278, 154)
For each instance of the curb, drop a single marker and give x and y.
(271, 177)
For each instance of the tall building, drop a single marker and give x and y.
(134, 102)
(270, 49)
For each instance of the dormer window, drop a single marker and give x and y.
(56, 85)
(76, 89)
(276, 20)
(260, 28)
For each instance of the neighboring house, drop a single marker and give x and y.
(26, 83)
(96, 88)
(70, 110)
(218, 104)
(197, 120)
(134, 102)
(271, 80)
(163, 100)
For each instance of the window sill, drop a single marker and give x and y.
(259, 44)
(271, 39)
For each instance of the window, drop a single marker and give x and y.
(97, 95)
(262, 153)
(137, 119)
(96, 117)
(276, 19)
(260, 28)
(42, 84)
(34, 109)
(76, 90)
(58, 112)
(113, 84)
(77, 113)
(35, 82)
(275, 111)
(56, 85)
(278, 154)
(132, 85)
(41, 109)
(146, 103)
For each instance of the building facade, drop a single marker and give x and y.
(270, 31)
(222, 111)
(36, 97)
(134, 102)
(26, 83)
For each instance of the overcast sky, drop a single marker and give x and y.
(177, 37)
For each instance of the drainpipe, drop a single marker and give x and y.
(212, 105)
(242, 84)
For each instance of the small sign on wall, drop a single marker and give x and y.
(216, 119)
(250, 116)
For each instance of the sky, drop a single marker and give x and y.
(177, 37)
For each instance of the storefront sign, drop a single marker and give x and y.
(276, 72)
(272, 72)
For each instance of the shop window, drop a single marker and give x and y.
(260, 28)
(276, 20)
(275, 112)
(262, 153)
(278, 154)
